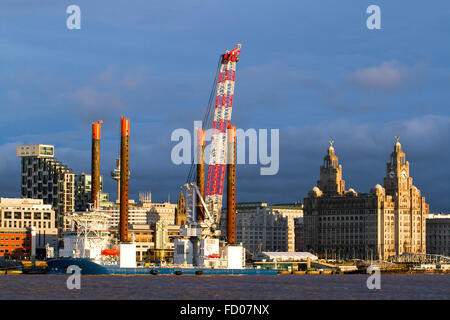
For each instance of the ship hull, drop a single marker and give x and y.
(88, 267)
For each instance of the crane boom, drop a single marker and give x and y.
(222, 118)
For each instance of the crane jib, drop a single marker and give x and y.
(221, 121)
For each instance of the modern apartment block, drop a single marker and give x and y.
(438, 234)
(388, 221)
(44, 177)
(19, 215)
(83, 187)
(260, 227)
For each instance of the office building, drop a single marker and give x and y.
(260, 227)
(438, 234)
(19, 215)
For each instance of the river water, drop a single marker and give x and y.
(284, 287)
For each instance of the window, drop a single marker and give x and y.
(7, 215)
(180, 249)
(17, 215)
(27, 215)
(37, 215)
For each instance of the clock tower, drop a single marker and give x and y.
(405, 209)
(397, 181)
(331, 182)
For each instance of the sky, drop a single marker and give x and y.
(311, 69)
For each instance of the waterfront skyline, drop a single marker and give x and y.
(312, 70)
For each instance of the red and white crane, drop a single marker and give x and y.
(222, 118)
(199, 242)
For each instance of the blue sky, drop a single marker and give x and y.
(309, 68)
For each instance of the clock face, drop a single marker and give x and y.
(403, 174)
(392, 174)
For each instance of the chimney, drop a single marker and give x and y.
(124, 177)
(95, 164)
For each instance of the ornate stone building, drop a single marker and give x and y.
(180, 211)
(385, 222)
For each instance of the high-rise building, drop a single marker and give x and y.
(438, 234)
(260, 227)
(389, 220)
(44, 177)
(83, 188)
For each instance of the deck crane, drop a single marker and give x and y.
(222, 118)
(199, 243)
(224, 84)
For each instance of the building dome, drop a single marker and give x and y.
(317, 192)
(376, 189)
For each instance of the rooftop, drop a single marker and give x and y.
(24, 202)
(36, 150)
(280, 256)
(440, 215)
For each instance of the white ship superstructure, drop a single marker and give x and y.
(199, 244)
(89, 237)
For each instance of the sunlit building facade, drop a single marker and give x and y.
(388, 221)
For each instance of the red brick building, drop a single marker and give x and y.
(15, 242)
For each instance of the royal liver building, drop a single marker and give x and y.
(385, 222)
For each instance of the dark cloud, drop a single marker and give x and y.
(363, 150)
(314, 74)
(143, 95)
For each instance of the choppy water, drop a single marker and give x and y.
(284, 287)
